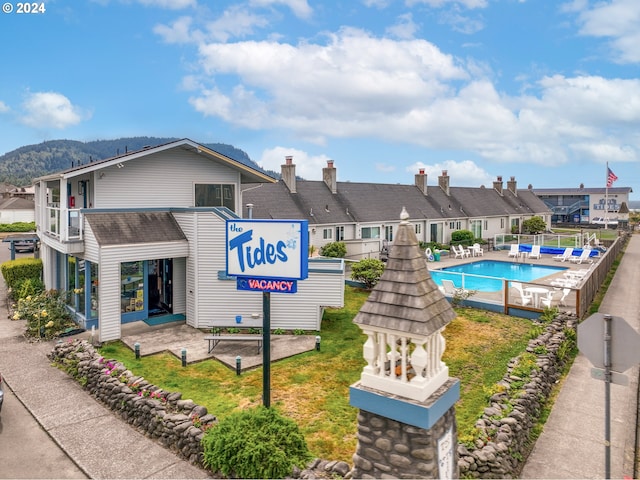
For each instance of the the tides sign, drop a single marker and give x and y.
(271, 250)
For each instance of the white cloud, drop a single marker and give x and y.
(308, 166)
(466, 172)
(441, 3)
(300, 8)
(4, 107)
(179, 31)
(50, 110)
(408, 91)
(617, 20)
(235, 22)
(404, 28)
(337, 89)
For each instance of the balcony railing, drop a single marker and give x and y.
(64, 224)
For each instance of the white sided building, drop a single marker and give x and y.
(142, 235)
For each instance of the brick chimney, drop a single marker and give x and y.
(497, 185)
(512, 185)
(329, 175)
(421, 181)
(288, 173)
(443, 182)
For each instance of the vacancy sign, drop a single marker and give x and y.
(267, 255)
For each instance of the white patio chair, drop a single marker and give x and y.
(525, 298)
(476, 250)
(514, 250)
(548, 299)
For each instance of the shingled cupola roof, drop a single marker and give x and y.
(403, 319)
(406, 299)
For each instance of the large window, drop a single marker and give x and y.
(215, 195)
(370, 232)
(131, 286)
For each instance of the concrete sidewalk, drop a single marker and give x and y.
(572, 444)
(101, 444)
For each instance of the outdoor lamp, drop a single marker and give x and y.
(184, 356)
(238, 364)
(318, 343)
(136, 348)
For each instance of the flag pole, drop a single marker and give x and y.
(606, 198)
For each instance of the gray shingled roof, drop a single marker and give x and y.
(375, 202)
(406, 299)
(122, 228)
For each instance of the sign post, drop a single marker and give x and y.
(267, 256)
(609, 343)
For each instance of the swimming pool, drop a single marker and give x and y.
(475, 274)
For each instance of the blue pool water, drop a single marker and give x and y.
(520, 272)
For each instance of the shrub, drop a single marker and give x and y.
(367, 271)
(18, 227)
(334, 249)
(17, 271)
(29, 287)
(46, 314)
(534, 225)
(462, 237)
(255, 443)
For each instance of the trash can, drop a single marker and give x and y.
(436, 256)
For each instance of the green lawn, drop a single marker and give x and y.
(313, 388)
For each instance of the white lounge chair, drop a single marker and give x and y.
(525, 298)
(584, 257)
(565, 282)
(514, 251)
(450, 288)
(535, 252)
(568, 252)
(578, 274)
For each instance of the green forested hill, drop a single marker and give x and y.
(22, 165)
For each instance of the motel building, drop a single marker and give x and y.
(143, 235)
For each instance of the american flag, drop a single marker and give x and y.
(611, 177)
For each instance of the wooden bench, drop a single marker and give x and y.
(215, 339)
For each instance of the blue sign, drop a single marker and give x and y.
(265, 285)
(268, 249)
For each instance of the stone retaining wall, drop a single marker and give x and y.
(177, 424)
(505, 427)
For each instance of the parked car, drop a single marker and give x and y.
(602, 221)
(1, 393)
(24, 246)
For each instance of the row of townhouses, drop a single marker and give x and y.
(366, 215)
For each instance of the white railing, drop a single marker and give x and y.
(64, 224)
(402, 363)
(502, 241)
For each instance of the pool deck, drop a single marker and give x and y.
(503, 255)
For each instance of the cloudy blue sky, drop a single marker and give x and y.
(543, 90)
